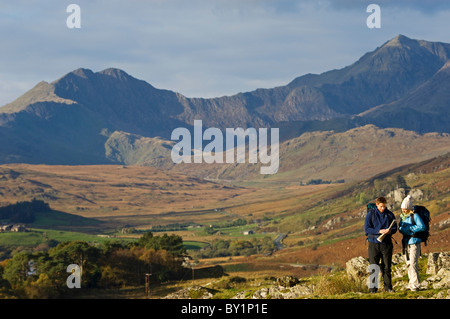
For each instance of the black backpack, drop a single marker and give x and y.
(370, 206)
(424, 214)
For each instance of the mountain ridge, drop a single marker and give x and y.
(297, 99)
(64, 122)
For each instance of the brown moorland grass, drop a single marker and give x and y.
(142, 196)
(145, 196)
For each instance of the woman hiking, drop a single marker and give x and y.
(411, 223)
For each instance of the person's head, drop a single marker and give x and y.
(407, 205)
(381, 203)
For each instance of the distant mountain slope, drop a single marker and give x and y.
(380, 76)
(351, 155)
(64, 122)
(72, 120)
(133, 149)
(425, 107)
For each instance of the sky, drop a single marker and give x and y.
(201, 48)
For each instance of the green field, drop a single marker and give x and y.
(36, 236)
(60, 219)
(194, 245)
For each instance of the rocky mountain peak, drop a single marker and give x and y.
(82, 73)
(115, 73)
(400, 41)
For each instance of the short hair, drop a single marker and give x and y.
(381, 199)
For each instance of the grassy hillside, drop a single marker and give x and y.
(330, 232)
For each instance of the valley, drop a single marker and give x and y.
(323, 223)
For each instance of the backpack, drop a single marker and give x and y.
(424, 214)
(370, 206)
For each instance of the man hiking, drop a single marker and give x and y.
(377, 223)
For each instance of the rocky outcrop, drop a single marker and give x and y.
(357, 267)
(444, 224)
(397, 195)
(289, 287)
(438, 266)
(437, 262)
(194, 292)
(278, 291)
(287, 281)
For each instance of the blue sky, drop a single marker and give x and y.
(201, 48)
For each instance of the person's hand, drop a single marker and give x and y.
(384, 231)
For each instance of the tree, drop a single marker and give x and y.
(145, 239)
(17, 268)
(171, 243)
(162, 264)
(122, 266)
(241, 247)
(220, 244)
(79, 253)
(41, 288)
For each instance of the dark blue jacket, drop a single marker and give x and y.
(375, 220)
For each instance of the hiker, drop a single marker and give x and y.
(410, 224)
(377, 223)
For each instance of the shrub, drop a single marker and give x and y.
(336, 284)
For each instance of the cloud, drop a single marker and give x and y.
(202, 48)
(429, 6)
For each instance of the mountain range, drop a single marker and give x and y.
(106, 117)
